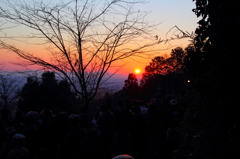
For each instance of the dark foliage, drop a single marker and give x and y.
(215, 40)
(47, 93)
(164, 75)
(131, 87)
(210, 122)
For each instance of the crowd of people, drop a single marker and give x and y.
(134, 127)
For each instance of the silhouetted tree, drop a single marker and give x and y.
(30, 95)
(158, 65)
(49, 90)
(212, 60)
(83, 38)
(131, 87)
(177, 57)
(68, 100)
(218, 27)
(163, 66)
(9, 87)
(47, 93)
(154, 73)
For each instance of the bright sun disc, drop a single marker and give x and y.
(137, 71)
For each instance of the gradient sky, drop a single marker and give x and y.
(167, 12)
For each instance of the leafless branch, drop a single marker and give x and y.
(175, 33)
(84, 39)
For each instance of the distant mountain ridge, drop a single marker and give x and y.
(116, 82)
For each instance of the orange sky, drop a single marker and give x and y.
(133, 63)
(168, 13)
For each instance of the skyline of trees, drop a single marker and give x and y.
(47, 93)
(83, 38)
(200, 60)
(203, 79)
(131, 87)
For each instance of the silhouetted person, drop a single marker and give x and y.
(90, 148)
(109, 103)
(156, 130)
(157, 101)
(107, 125)
(134, 104)
(42, 153)
(138, 134)
(74, 137)
(172, 139)
(144, 109)
(4, 124)
(32, 132)
(170, 108)
(62, 128)
(4, 116)
(128, 104)
(6, 129)
(48, 132)
(18, 121)
(123, 116)
(85, 120)
(15, 148)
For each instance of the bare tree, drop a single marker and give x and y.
(9, 88)
(84, 37)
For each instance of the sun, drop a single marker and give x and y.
(137, 71)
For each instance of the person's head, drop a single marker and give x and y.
(152, 106)
(18, 139)
(134, 103)
(120, 103)
(31, 118)
(157, 102)
(4, 114)
(104, 107)
(137, 110)
(19, 115)
(167, 98)
(109, 102)
(83, 110)
(92, 133)
(128, 103)
(141, 103)
(124, 156)
(157, 95)
(173, 102)
(47, 114)
(74, 119)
